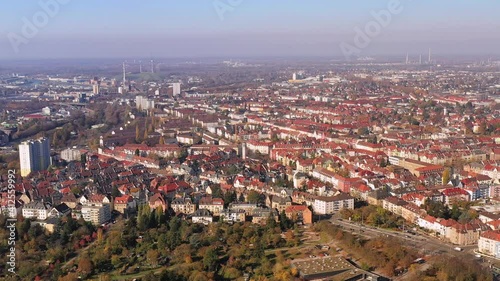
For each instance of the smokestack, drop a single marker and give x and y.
(124, 78)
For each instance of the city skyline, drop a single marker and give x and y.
(243, 28)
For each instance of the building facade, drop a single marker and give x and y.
(34, 155)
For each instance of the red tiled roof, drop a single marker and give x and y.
(295, 208)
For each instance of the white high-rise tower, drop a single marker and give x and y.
(124, 78)
(176, 89)
(34, 155)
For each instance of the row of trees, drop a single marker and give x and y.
(382, 254)
(459, 211)
(373, 215)
(453, 268)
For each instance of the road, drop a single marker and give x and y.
(428, 244)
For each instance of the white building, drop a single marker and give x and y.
(96, 214)
(232, 216)
(202, 216)
(143, 103)
(261, 147)
(489, 243)
(176, 89)
(34, 155)
(96, 209)
(37, 210)
(96, 89)
(328, 205)
(71, 154)
(214, 205)
(46, 111)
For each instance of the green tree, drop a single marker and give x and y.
(144, 217)
(285, 222)
(446, 176)
(152, 257)
(254, 197)
(229, 197)
(210, 259)
(363, 131)
(115, 192)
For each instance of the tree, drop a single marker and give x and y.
(363, 131)
(100, 235)
(254, 197)
(55, 138)
(83, 159)
(144, 217)
(285, 222)
(70, 277)
(271, 221)
(455, 212)
(216, 191)
(229, 197)
(446, 176)
(152, 256)
(437, 209)
(241, 198)
(160, 216)
(210, 259)
(115, 192)
(85, 265)
(24, 227)
(137, 133)
(343, 172)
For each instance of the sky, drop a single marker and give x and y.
(246, 28)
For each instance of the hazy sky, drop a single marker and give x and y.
(126, 28)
